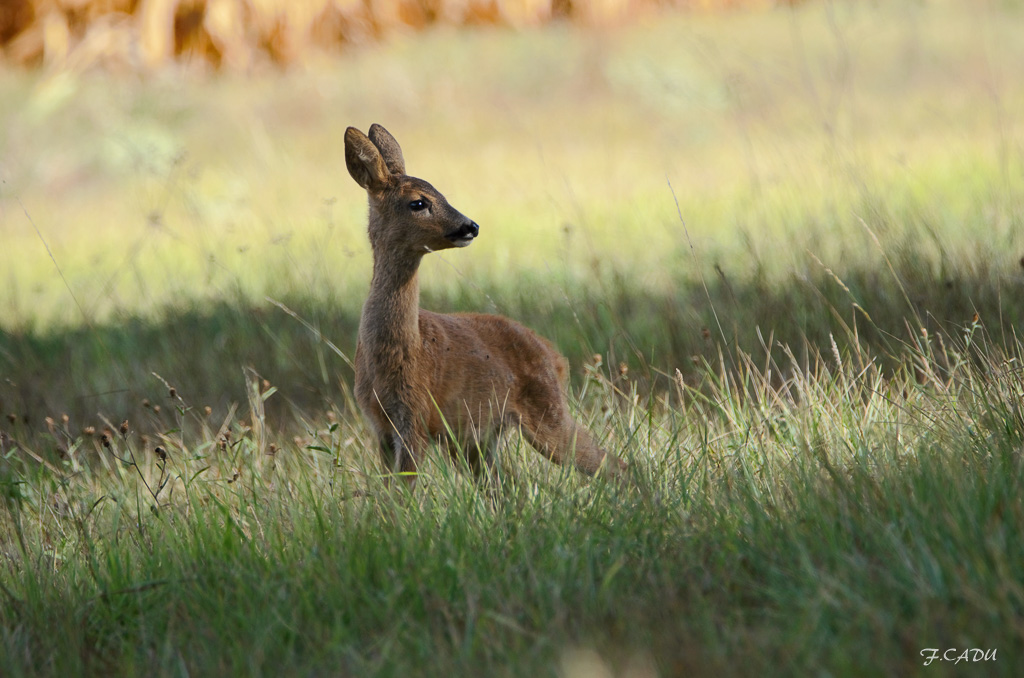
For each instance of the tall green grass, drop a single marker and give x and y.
(835, 521)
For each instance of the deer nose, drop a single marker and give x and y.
(473, 229)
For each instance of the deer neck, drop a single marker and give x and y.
(390, 320)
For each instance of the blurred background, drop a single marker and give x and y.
(660, 183)
(240, 34)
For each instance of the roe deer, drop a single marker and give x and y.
(458, 379)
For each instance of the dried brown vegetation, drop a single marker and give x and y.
(238, 34)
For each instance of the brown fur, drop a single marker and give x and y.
(459, 378)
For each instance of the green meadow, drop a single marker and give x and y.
(783, 251)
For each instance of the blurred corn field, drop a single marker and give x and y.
(240, 34)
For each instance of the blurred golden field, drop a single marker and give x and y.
(238, 34)
(780, 132)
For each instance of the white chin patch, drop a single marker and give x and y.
(462, 242)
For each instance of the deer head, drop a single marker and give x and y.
(408, 216)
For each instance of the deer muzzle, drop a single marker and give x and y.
(464, 234)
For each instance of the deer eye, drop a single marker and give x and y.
(417, 205)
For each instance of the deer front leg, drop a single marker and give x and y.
(401, 445)
(397, 456)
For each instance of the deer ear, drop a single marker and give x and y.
(389, 148)
(365, 163)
